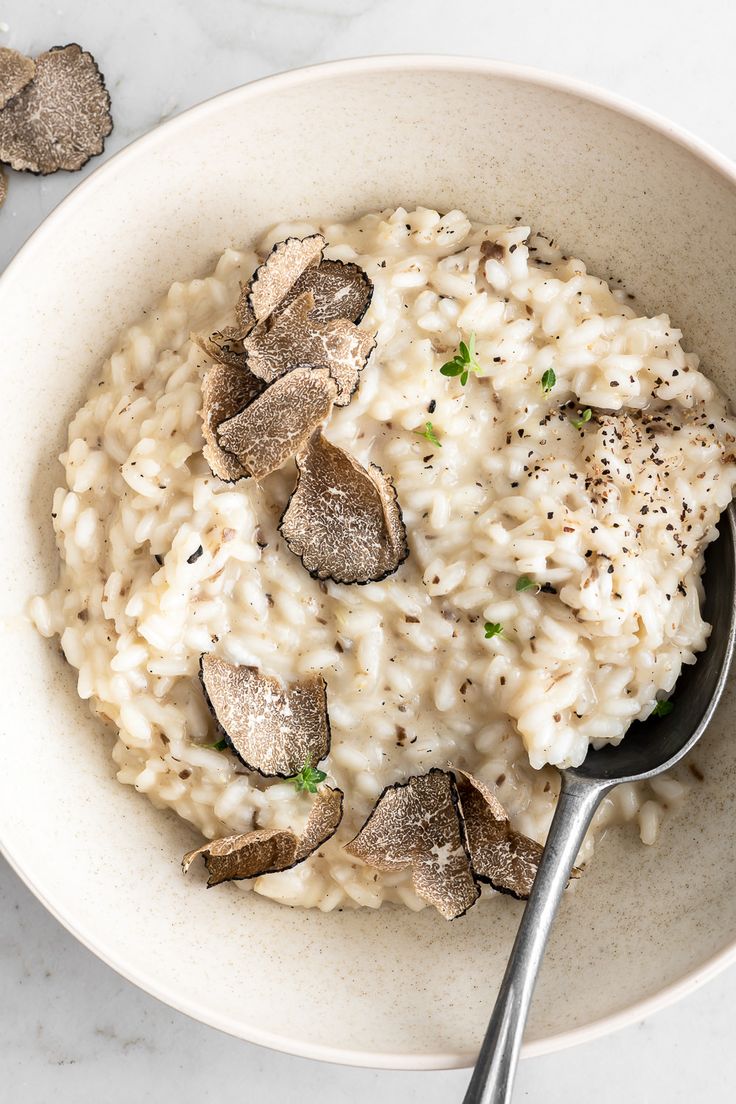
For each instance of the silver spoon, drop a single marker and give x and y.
(648, 749)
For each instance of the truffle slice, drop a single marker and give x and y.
(61, 118)
(264, 851)
(322, 822)
(341, 289)
(416, 824)
(3, 186)
(273, 729)
(270, 850)
(294, 338)
(244, 315)
(225, 346)
(280, 422)
(225, 392)
(500, 856)
(275, 278)
(16, 70)
(343, 520)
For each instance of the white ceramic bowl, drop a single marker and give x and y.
(628, 193)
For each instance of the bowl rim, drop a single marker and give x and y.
(141, 146)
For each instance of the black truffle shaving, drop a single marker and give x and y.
(223, 346)
(341, 289)
(294, 337)
(226, 390)
(60, 118)
(274, 279)
(273, 729)
(504, 858)
(244, 317)
(280, 421)
(322, 822)
(16, 71)
(417, 824)
(343, 520)
(270, 850)
(236, 858)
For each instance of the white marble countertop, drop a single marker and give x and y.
(71, 1030)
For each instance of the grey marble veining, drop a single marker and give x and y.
(72, 1031)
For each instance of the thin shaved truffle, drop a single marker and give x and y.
(224, 346)
(280, 422)
(343, 520)
(234, 858)
(61, 118)
(269, 850)
(244, 315)
(504, 858)
(322, 822)
(225, 391)
(416, 824)
(275, 278)
(341, 289)
(273, 729)
(16, 70)
(3, 186)
(295, 337)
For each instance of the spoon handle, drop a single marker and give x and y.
(493, 1077)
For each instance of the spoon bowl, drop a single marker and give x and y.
(656, 744)
(649, 748)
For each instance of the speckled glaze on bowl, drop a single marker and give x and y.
(627, 192)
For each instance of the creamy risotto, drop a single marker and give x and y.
(557, 505)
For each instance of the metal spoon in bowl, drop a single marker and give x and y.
(649, 748)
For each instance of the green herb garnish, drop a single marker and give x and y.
(662, 708)
(549, 379)
(429, 434)
(219, 746)
(492, 628)
(525, 583)
(308, 778)
(463, 363)
(584, 417)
